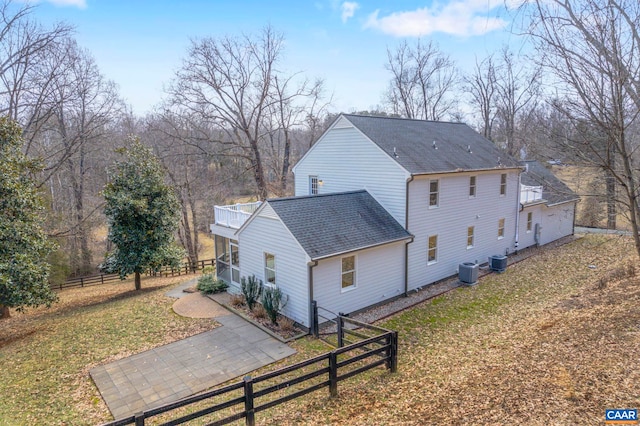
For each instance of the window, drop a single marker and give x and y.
(470, 232)
(222, 258)
(433, 193)
(500, 228)
(432, 252)
(313, 185)
(270, 269)
(529, 221)
(348, 272)
(472, 187)
(503, 184)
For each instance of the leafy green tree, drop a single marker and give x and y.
(143, 215)
(24, 246)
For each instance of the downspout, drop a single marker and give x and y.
(311, 318)
(406, 246)
(518, 211)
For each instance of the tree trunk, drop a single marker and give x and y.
(137, 281)
(611, 201)
(285, 163)
(4, 312)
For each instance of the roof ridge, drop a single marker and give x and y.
(300, 197)
(404, 119)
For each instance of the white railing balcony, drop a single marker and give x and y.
(529, 194)
(234, 215)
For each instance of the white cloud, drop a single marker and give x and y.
(348, 10)
(80, 4)
(457, 17)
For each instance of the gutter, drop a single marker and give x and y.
(408, 237)
(406, 246)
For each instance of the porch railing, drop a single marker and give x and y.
(529, 194)
(234, 215)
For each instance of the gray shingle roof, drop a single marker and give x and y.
(330, 224)
(413, 144)
(554, 191)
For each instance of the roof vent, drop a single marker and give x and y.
(434, 145)
(499, 163)
(395, 154)
(469, 149)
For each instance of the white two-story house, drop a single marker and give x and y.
(384, 206)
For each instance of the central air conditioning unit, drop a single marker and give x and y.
(468, 273)
(498, 263)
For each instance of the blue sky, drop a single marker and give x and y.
(140, 43)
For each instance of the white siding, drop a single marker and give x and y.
(379, 276)
(270, 235)
(528, 238)
(556, 222)
(345, 160)
(450, 220)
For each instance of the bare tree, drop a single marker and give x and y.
(593, 49)
(517, 91)
(234, 85)
(422, 79)
(481, 84)
(24, 48)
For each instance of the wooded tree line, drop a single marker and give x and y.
(232, 123)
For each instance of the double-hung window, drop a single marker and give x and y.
(434, 193)
(348, 272)
(470, 236)
(500, 228)
(432, 251)
(472, 187)
(503, 184)
(529, 221)
(269, 269)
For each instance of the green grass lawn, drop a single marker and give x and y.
(542, 343)
(45, 355)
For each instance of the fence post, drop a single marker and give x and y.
(333, 374)
(81, 282)
(139, 419)
(248, 401)
(101, 279)
(315, 327)
(339, 325)
(393, 362)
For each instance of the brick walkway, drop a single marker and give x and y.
(174, 371)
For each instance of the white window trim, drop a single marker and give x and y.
(506, 180)
(317, 185)
(355, 274)
(435, 260)
(275, 270)
(437, 204)
(474, 186)
(529, 222)
(473, 237)
(500, 237)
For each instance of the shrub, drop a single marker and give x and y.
(237, 300)
(286, 324)
(259, 312)
(207, 284)
(208, 270)
(251, 289)
(273, 302)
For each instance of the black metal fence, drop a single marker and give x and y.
(243, 399)
(90, 280)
